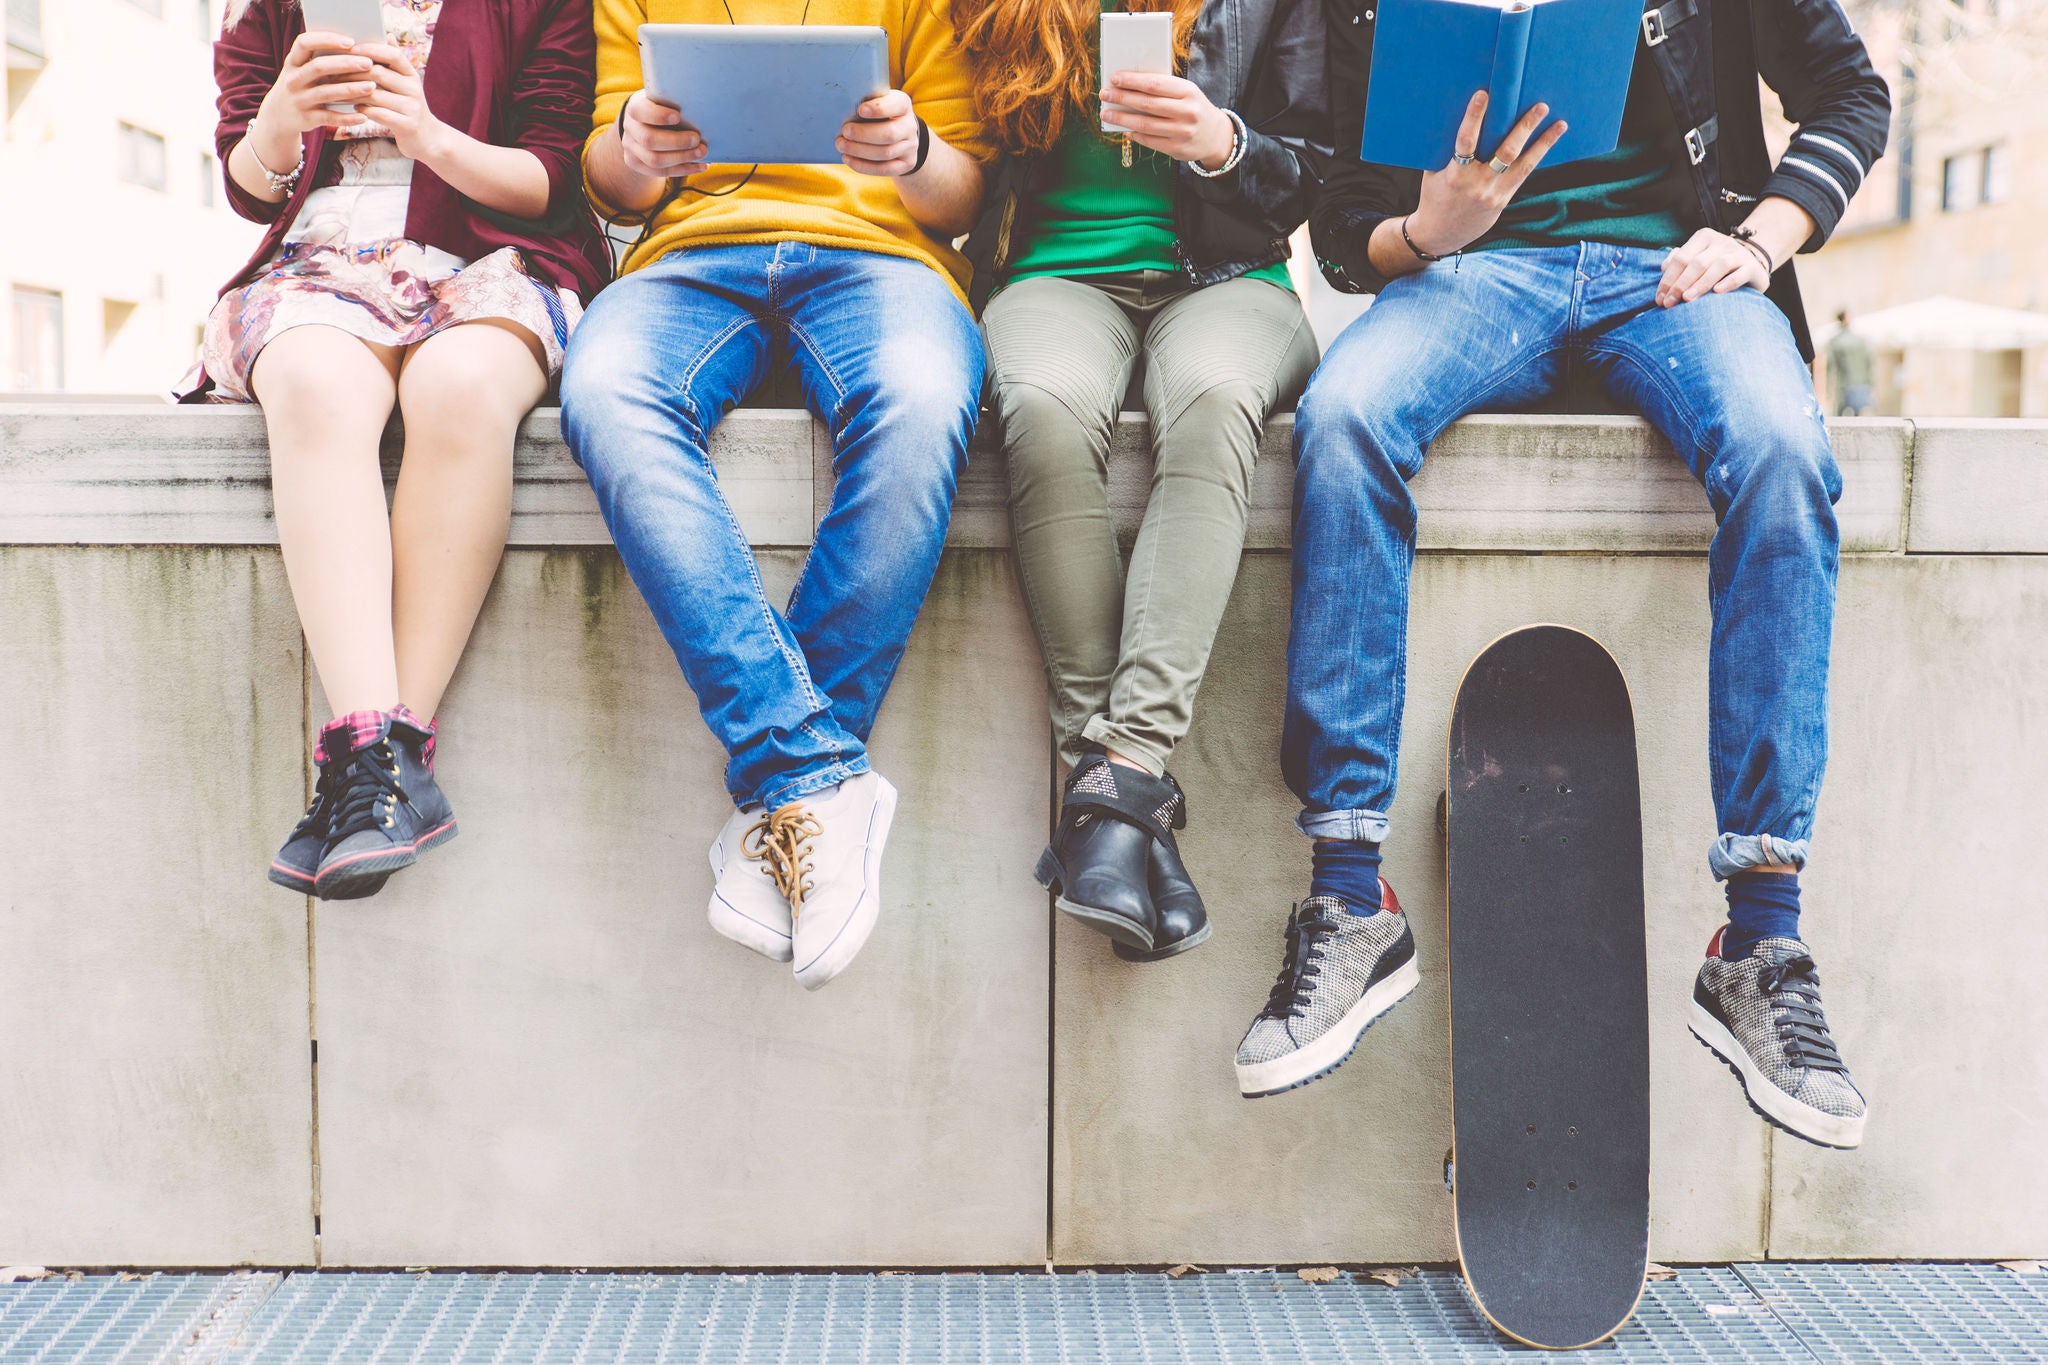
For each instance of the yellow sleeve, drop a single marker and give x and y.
(618, 73)
(936, 76)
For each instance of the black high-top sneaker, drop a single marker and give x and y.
(297, 865)
(1761, 1015)
(388, 809)
(1098, 863)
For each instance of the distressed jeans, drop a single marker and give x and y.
(891, 361)
(1497, 331)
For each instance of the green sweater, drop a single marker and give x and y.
(1639, 194)
(1097, 217)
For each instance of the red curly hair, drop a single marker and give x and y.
(1034, 61)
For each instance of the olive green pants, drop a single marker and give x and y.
(1124, 651)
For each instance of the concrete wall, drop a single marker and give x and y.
(531, 1049)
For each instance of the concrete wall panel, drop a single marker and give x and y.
(155, 1089)
(1980, 486)
(1925, 915)
(1157, 1158)
(535, 1051)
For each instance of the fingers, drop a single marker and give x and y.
(1467, 140)
(1532, 156)
(644, 109)
(1510, 149)
(893, 104)
(1157, 105)
(313, 42)
(1150, 83)
(885, 133)
(389, 55)
(322, 70)
(342, 92)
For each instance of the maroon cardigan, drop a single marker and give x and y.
(515, 73)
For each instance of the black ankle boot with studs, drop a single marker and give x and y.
(1113, 858)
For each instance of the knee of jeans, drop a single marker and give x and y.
(1342, 420)
(1780, 461)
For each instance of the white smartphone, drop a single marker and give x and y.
(1135, 42)
(362, 20)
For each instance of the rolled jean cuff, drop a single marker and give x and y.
(1733, 853)
(796, 786)
(1368, 826)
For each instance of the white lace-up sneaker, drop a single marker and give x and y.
(826, 856)
(746, 905)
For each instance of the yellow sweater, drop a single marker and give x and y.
(824, 205)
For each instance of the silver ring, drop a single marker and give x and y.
(1462, 159)
(1498, 167)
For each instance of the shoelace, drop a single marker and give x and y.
(1291, 991)
(367, 792)
(323, 797)
(783, 842)
(1793, 987)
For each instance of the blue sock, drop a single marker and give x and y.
(1761, 905)
(1348, 869)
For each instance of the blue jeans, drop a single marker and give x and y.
(891, 361)
(1497, 331)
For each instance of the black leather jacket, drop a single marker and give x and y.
(1262, 58)
(1708, 55)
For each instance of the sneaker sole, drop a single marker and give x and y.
(1173, 949)
(300, 884)
(1333, 1049)
(853, 935)
(728, 921)
(351, 882)
(291, 879)
(1120, 930)
(1774, 1106)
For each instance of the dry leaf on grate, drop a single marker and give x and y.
(1180, 1270)
(1660, 1272)
(1318, 1274)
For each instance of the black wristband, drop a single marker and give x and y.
(1747, 236)
(924, 147)
(1419, 252)
(619, 123)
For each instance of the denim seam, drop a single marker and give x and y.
(796, 789)
(688, 378)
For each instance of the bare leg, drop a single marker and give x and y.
(463, 393)
(326, 396)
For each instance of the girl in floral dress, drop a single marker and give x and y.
(428, 249)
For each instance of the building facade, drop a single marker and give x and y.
(114, 231)
(1957, 210)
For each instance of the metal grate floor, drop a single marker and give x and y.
(1749, 1314)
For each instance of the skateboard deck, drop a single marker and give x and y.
(1550, 1052)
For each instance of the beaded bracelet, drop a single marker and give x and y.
(1239, 136)
(279, 184)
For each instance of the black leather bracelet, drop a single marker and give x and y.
(1420, 253)
(1747, 236)
(924, 147)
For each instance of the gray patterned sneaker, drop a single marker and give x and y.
(1762, 1015)
(1342, 972)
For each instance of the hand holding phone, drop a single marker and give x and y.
(360, 21)
(1135, 42)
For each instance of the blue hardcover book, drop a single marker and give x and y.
(1429, 56)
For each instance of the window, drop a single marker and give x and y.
(202, 11)
(1951, 184)
(38, 340)
(140, 157)
(1995, 184)
(155, 7)
(207, 192)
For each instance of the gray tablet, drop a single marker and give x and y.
(768, 94)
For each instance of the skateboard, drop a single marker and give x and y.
(1550, 1051)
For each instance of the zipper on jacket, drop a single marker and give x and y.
(1731, 197)
(1187, 262)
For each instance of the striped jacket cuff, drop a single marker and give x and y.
(1821, 174)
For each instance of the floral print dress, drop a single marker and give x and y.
(347, 263)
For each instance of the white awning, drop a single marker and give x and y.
(1951, 324)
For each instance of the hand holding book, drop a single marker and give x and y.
(1465, 198)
